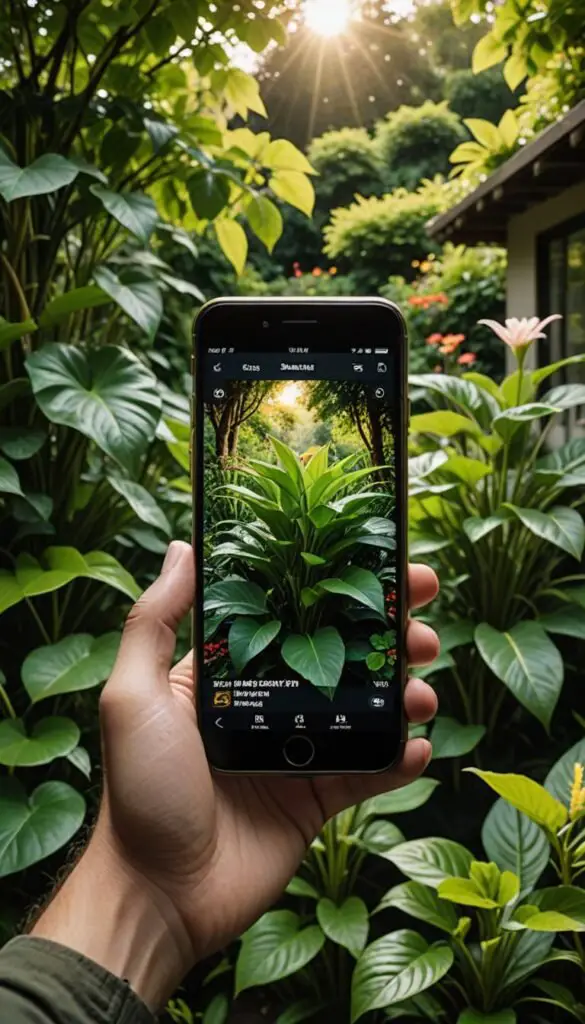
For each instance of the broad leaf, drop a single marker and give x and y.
(561, 526)
(453, 739)
(318, 658)
(466, 893)
(496, 1017)
(9, 481)
(508, 422)
(282, 155)
(62, 306)
(394, 968)
(559, 780)
(248, 638)
(527, 796)
(443, 423)
(234, 597)
(528, 662)
(469, 471)
(142, 503)
(300, 887)
(105, 393)
(431, 860)
(294, 188)
(140, 300)
(20, 443)
(80, 759)
(359, 584)
(543, 372)
(33, 827)
(208, 192)
(76, 663)
(425, 464)
(265, 219)
(461, 394)
(515, 843)
(233, 241)
(566, 396)
(274, 948)
(13, 332)
(64, 565)
(456, 634)
(560, 909)
(477, 528)
(347, 925)
(50, 738)
(421, 902)
(398, 801)
(304, 1009)
(218, 1010)
(133, 210)
(529, 952)
(380, 836)
(566, 621)
(48, 173)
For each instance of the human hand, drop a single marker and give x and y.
(202, 854)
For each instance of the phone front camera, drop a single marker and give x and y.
(265, 323)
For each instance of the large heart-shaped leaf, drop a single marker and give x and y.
(105, 393)
(566, 621)
(395, 968)
(515, 843)
(451, 738)
(248, 638)
(20, 443)
(265, 219)
(431, 860)
(477, 528)
(443, 423)
(380, 836)
(140, 300)
(142, 503)
(33, 827)
(76, 663)
(208, 192)
(274, 948)
(527, 662)
(87, 297)
(50, 738)
(359, 584)
(560, 909)
(461, 394)
(527, 796)
(12, 332)
(294, 188)
(421, 902)
(559, 780)
(133, 210)
(318, 658)
(48, 173)
(63, 566)
(561, 526)
(347, 925)
(234, 597)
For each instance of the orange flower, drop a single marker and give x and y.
(434, 339)
(333, 271)
(297, 272)
(317, 271)
(451, 342)
(416, 300)
(467, 359)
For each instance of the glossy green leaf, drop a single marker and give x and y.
(461, 394)
(140, 300)
(399, 801)
(133, 210)
(63, 566)
(515, 843)
(395, 968)
(423, 465)
(233, 242)
(488, 51)
(9, 481)
(13, 332)
(469, 471)
(566, 396)
(421, 902)
(208, 192)
(318, 658)
(218, 1010)
(105, 393)
(234, 597)
(530, 951)
(274, 948)
(375, 661)
(142, 503)
(456, 634)
(527, 796)
(265, 219)
(282, 155)
(381, 836)
(466, 893)
(453, 739)
(33, 827)
(528, 662)
(360, 585)
(347, 925)
(87, 297)
(477, 528)
(48, 173)
(443, 423)
(560, 909)
(566, 621)
(75, 663)
(508, 422)
(561, 526)
(547, 371)
(80, 759)
(559, 780)
(248, 638)
(20, 443)
(294, 188)
(49, 738)
(431, 860)
(300, 887)
(496, 1017)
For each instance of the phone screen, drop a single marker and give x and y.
(301, 605)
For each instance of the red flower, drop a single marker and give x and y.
(467, 359)
(298, 273)
(434, 339)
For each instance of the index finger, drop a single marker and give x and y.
(423, 585)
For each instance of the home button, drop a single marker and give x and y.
(299, 751)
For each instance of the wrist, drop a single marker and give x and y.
(114, 916)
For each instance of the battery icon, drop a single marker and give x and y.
(381, 351)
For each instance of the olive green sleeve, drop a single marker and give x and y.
(45, 983)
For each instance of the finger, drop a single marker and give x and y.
(339, 793)
(182, 674)
(422, 643)
(423, 585)
(148, 640)
(420, 702)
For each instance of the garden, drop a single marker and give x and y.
(162, 152)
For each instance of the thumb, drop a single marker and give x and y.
(148, 641)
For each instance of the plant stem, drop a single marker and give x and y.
(7, 702)
(38, 621)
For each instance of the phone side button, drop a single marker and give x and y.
(299, 751)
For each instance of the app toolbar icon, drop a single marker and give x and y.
(222, 699)
(299, 719)
(380, 392)
(219, 393)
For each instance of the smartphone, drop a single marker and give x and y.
(300, 518)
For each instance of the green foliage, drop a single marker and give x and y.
(348, 162)
(415, 143)
(376, 237)
(486, 95)
(492, 146)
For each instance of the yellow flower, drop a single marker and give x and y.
(577, 793)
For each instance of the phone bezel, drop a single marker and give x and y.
(256, 752)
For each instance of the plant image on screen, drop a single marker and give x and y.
(301, 568)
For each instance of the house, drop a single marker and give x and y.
(534, 205)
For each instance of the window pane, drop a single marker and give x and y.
(553, 349)
(575, 326)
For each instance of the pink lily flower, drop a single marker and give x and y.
(520, 334)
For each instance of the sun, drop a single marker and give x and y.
(327, 17)
(290, 394)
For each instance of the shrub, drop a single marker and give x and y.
(375, 238)
(415, 143)
(348, 162)
(486, 95)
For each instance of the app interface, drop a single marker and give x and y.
(300, 601)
